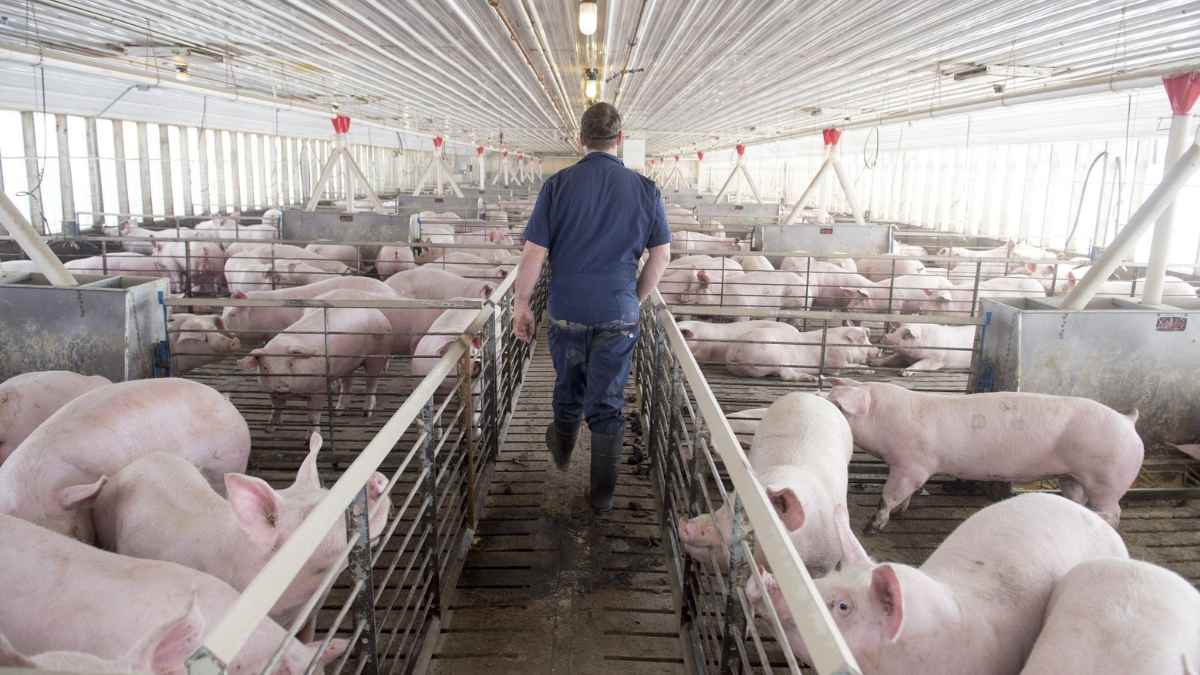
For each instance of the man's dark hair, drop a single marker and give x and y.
(600, 126)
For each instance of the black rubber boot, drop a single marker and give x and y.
(560, 440)
(606, 453)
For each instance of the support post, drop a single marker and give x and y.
(31, 243)
(1182, 90)
(502, 171)
(1162, 196)
(479, 158)
(33, 174)
(65, 183)
(341, 129)
(739, 168)
(439, 170)
(97, 189)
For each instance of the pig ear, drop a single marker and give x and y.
(687, 333)
(851, 400)
(908, 334)
(308, 475)
(334, 650)
(703, 277)
(789, 508)
(476, 343)
(250, 361)
(165, 650)
(219, 322)
(11, 658)
(238, 295)
(886, 592)
(255, 505)
(78, 496)
(487, 290)
(853, 553)
(1031, 268)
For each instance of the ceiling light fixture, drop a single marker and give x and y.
(589, 17)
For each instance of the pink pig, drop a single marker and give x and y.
(800, 455)
(1093, 450)
(319, 351)
(62, 595)
(28, 399)
(785, 352)
(430, 283)
(977, 603)
(1119, 617)
(57, 471)
(256, 324)
(160, 508)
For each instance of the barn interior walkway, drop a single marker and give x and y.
(548, 587)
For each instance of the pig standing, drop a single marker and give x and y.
(977, 603)
(201, 264)
(430, 283)
(256, 324)
(800, 455)
(161, 652)
(928, 346)
(319, 351)
(1093, 450)
(792, 355)
(160, 508)
(1119, 617)
(710, 342)
(444, 332)
(28, 399)
(130, 229)
(101, 603)
(409, 324)
(199, 340)
(58, 470)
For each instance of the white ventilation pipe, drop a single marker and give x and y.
(32, 244)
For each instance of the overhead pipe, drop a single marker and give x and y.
(1173, 181)
(530, 14)
(516, 40)
(645, 10)
(1182, 91)
(33, 245)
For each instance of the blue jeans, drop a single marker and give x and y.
(592, 364)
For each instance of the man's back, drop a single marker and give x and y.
(596, 218)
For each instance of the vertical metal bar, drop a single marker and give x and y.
(251, 188)
(187, 268)
(164, 155)
(219, 160)
(205, 190)
(824, 343)
(892, 286)
(360, 569)
(33, 176)
(235, 170)
(262, 170)
(470, 434)
(66, 186)
(97, 187)
(118, 128)
(305, 166)
(185, 170)
(975, 290)
(429, 464)
(495, 357)
(735, 621)
(285, 168)
(143, 146)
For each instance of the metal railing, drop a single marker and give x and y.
(435, 450)
(690, 443)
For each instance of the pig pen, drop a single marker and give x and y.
(434, 438)
(1158, 523)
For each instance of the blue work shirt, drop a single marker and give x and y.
(596, 218)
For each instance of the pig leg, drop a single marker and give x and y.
(795, 375)
(923, 364)
(901, 483)
(316, 404)
(344, 387)
(277, 403)
(375, 367)
(1071, 489)
(891, 361)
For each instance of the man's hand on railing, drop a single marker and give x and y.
(523, 326)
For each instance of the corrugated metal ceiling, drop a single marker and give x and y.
(709, 74)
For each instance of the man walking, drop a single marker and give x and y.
(594, 220)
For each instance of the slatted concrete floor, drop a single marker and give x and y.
(550, 588)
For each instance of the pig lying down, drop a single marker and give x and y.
(785, 352)
(1093, 450)
(53, 476)
(928, 346)
(977, 603)
(106, 605)
(800, 454)
(1140, 619)
(160, 508)
(29, 399)
(162, 652)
